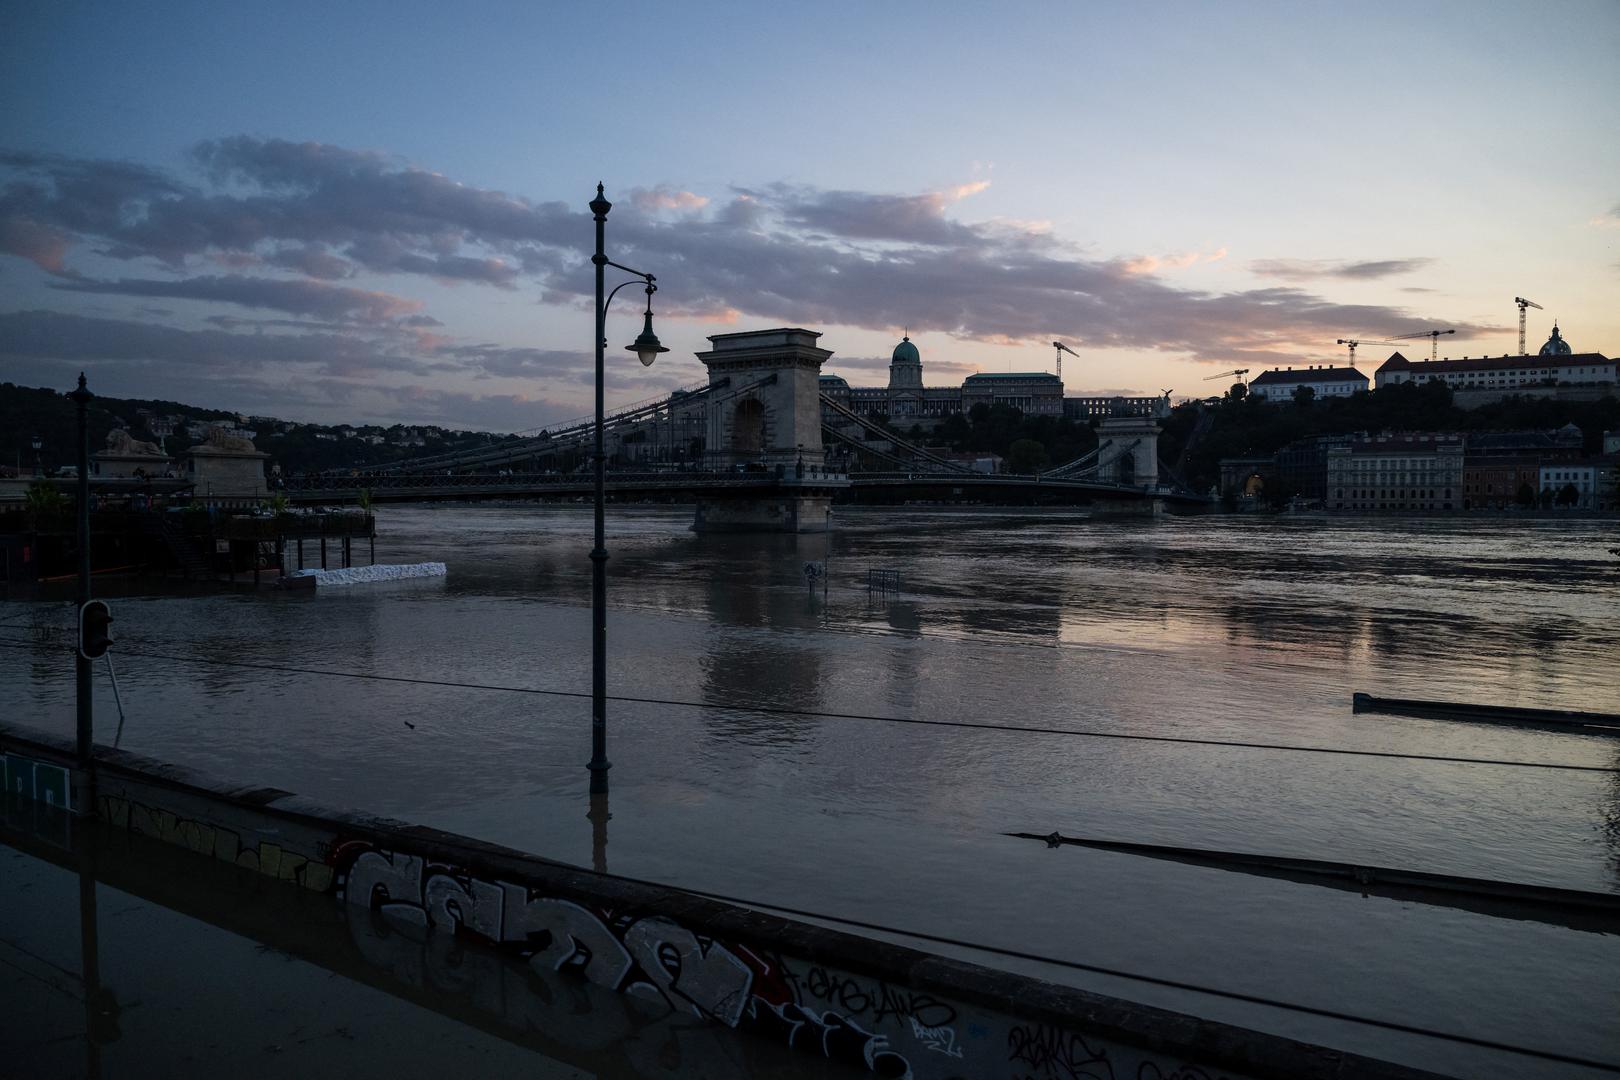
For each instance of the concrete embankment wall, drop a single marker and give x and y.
(878, 1007)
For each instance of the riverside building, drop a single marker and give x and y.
(1396, 472)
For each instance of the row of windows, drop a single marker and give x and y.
(1404, 494)
(1390, 506)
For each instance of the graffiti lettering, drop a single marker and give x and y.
(941, 1040)
(713, 981)
(1150, 1071)
(882, 1003)
(834, 1037)
(1053, 1052)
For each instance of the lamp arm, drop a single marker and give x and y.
(629, 270)
(651, 288)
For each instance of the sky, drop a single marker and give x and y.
(377, 212)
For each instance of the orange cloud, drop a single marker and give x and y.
(662, 198)
(1150, 264)
(963, 191)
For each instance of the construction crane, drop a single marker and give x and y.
(1434, 340)
(1523, 303)
(1362, 341)
(1061, 349)
(1240, 372)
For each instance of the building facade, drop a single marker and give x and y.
(1502, 469)
(1555, 365)
(1396, 472)
(906, 400)
(1281, 384)
(1578, 485)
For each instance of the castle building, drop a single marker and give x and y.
(905, 400)
(1556, 364)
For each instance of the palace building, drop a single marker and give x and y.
(905, 400)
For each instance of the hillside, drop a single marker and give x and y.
(29, 411)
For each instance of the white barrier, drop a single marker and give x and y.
(360, 575)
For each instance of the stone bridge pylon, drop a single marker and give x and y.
(1128, 452)
(765, 417)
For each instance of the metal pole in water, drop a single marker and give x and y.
(81, 663)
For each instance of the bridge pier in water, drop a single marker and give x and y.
(767, 424)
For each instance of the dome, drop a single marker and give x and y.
(906, 352)
(1556, 345)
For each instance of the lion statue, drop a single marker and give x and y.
(123, 444)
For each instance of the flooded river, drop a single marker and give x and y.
(1253, 630)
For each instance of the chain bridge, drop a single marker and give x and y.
(759, 447)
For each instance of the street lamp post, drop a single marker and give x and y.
(646, 347)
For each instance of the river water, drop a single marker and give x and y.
(1246, 629)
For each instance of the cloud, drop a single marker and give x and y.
(913, 219)
(43, 245)
(1303, 269)
(663, 198)
(781, 253)
(1151, 264)
(294, 297)
(1609, 220)
(302, 206)
(206, 353)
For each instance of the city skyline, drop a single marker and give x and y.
(366, 218)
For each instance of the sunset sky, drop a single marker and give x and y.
(377, 212)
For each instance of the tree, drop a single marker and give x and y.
(1026, 456)
(1568, 495)
(1527, 496)
(43, 501)
(1238, 392)
(1304, 395)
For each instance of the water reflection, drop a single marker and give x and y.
(781, 668)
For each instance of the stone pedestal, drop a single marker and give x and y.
(781, 512)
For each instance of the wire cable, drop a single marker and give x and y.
(774, 710)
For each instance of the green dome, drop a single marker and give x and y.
(906, 352)
(1556, 346)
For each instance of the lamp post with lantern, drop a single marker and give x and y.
(646, 347)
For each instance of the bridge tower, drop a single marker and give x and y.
(765, 422)
(1130, 451)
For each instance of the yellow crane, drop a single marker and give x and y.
(1434, 340)
(1362, 341)
(1239, 372)
(1061, 349)
(1523, 303)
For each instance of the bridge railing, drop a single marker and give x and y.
(528, 481)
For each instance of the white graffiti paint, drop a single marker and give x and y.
(710, 980)
(941, 1040)
(578, 938)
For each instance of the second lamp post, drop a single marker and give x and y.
(647, 348)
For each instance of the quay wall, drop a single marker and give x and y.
(877, 1007)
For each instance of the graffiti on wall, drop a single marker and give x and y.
(216, 842)
(650, 960)
(646, 956)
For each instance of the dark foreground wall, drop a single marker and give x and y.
(877, 1007)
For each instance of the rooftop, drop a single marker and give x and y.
(1397, 362)
(1308, 374)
